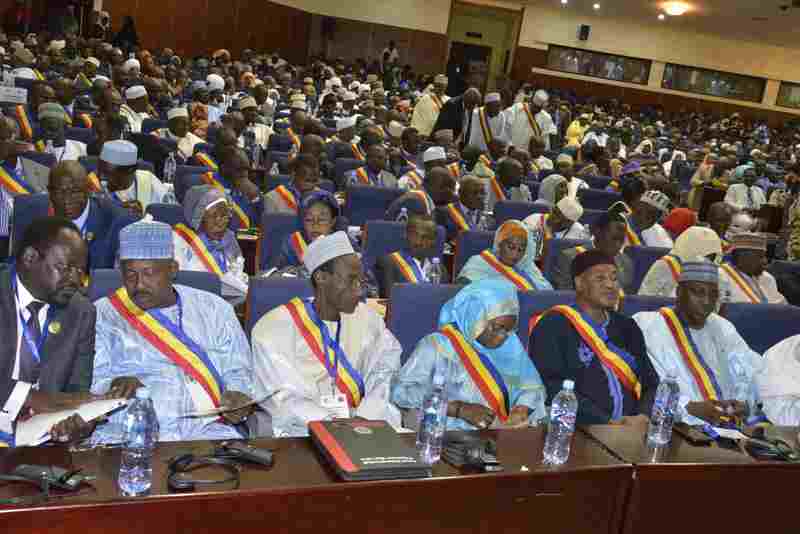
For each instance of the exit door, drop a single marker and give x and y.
(468, 66)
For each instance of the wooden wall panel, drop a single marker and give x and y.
(525, 59)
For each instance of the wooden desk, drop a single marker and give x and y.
(711, 489)
(300, 494)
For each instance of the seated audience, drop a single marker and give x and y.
(745, 276)
(439, 190)
(304, 171)
(178, 130)
(643, 228)
(778, 383)
(467, 212)
(560, 223)
(127, 186)
(319, 216)
(374, 172)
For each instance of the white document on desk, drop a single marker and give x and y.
(36, 430)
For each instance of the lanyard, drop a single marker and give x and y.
(159, 316)
(116, 197)
(325, 334)
(27, 335)
(218, 254)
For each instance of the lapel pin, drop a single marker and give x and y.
(54, 328)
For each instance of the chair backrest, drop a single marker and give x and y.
(643, 258)
(275, 229)
(513, 209)
(343, 165)
(82, 135)
(171, 214)
(271, 182)
(42, 158)
(595, 199)
(597, 182)
(27, 208)
(554, 248)
(763, 325)
(414, 312)
(280, 143)
(467, 245)
(533, 186)
(365, 202)
(268, 293)
(532, 303)
(279, 157)
(180, 170)
(185, 181)
(105, 281)
(590, 216)
(383, 237)
(151, 125)
(633, 304)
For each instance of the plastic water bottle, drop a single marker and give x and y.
(274, 170)
(562, 425)
(432, 417)
(403, 217)
(434, 271)
(659, 432)
(140, 435)
(49, 148)
(170, 166)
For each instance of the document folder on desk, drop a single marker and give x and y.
(366, 450)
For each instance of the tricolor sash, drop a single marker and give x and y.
(207, 161)
(483, 158)
(287, 197)
(482, 371)
(213, 179)
(615, 362)
(485, 127)
(457, 217)
(238, 207)
(326, 349)
(38, 74)
(426, 200)
(415, 179)
(613, 185)
(86, 120)
(199, 248)
(437, 102)
(293, 136)
(357, 152)
(703, 375)
(94, 183)
(726, 246)
(753, 292)
(674, 265)
(170, 340)
(298, 245)
(363, 176)
(498, 189)
(408, 267)
(16, 185)
(631, 237)
(455, 170)
(516, 278)
(537, 131)
(24, 122)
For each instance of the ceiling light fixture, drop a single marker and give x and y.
(564, 2)
(661, 16)
(676, 9)
(596, 6)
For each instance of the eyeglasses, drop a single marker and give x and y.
(317, 221)
(219, 214)
(64, 270)
(68, 192)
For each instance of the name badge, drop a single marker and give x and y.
(336, 405)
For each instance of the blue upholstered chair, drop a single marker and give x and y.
(268, 293)
(590, 216)
(533, 303)
(512, 209)
(365, 202)
(595, 199)
(643, 258)
(554, 248)
(105, 281)
(383, 237)
(633, 304)
(467, 245)
(275, 229)
(763, 325)
(597, 182)
(185, 181)
(171, 214)
(279, 143)
(82, 135)
(151, 125)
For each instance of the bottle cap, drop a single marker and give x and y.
(142, 393)
(435, 260)
(568, 385)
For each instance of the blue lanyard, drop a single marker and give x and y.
(35, 348)
(160, 316)
(219, 255)
(323, 328)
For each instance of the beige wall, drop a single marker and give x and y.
(659, 41)
(426, 15)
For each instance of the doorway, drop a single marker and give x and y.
(467, 66)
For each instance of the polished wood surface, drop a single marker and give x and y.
(712, 489)
(301, 493)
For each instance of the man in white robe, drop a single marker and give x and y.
(124, 184)
(745, 276)
(526, 120)
(428, 107)
(488, 122)
(286, 363)
(178, 130)
(135, 108)
(778, 383)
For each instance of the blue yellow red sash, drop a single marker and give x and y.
(94, 183)
(510, 273)
(726, 246)
(437, 102)
(485, 127)
(537, 130)
(411, 271)
(357, 152)
(455, 170)
(6, 440)
(293, 136)
(14, 184)
(457, 217)
(674, 265)
(703, 376)
(616, 363)
(287, 197)
(24, 121)
(363, 176)
(415, 179)
(755, 294)
(86, 120)
(214, 180)
(199, 248)
(482, 371)
(169, 339)
(631, 237)
(38, 74)
(239, 211)
(348, 380)
(426, 200)
(207, 161)
(483, 158)
(299, 245)
(498, 189)
(613, 185)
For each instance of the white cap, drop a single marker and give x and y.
(565, 158)
(657, 199)
(569, 385)
(247, 102)
(131, 64)
(298, 104)
(325, 249)
(335, 81)
(492, 97)
(120, 153)
(396, 129)
(570, 208)
(434, 153)
(137, 91)
(349, 96)
(440, 78)
(344, 123)
(364, 88)
(177, 112)
(540, 98)
(215, 82)
(354, 85)
(57, 45)
(94, 61)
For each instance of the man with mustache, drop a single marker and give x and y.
(47, 329)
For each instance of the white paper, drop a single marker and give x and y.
(729, 433)
(36, 430)
(13, 95)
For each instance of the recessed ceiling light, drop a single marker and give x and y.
(661, 16)
(596, 6)
(676, 9)
(564, 2)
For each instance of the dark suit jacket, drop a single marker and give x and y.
(388, 274)
(67, 357)
(451, 117)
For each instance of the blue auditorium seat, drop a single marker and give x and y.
(532, 303)
(275, 229)
(597, 182)
(151, 125)
(105, 281)
(171, 214)
(633, 304)
(643, 258)
(383, 237)
(513, 209)
(26, 209)
(42, 158)
(590, 216)
(271, 182)
(82, 135)
(533, 186)
(554, 248)
(365, 202)
(343, 165)
(279, 143)
(467, 245)
(763, 325)
(595, 199)
(268, 293)
(185, 181)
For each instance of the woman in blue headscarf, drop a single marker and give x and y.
(318, 216)
(477, 353)
(511, 259)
